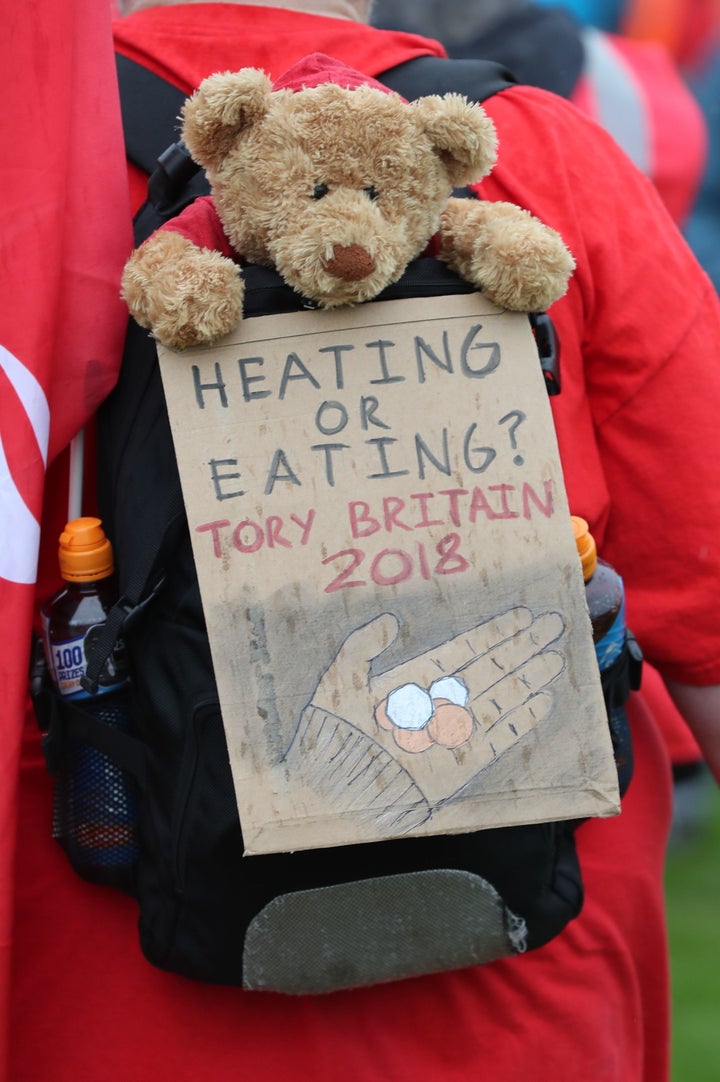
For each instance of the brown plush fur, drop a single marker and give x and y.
(387, 169)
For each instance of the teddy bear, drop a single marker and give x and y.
(337, 183)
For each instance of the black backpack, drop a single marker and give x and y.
(309, 921)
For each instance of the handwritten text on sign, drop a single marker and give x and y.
(376, 503)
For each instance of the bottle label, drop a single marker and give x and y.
(610, 646)
(67, 662)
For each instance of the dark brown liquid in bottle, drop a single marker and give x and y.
(604, 594)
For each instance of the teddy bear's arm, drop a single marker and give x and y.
(185, 294)
(518, 262)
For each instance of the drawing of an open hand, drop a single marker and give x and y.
(400, 744)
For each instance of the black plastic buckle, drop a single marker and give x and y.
(121, 615)
(548, 347)
(176, 181)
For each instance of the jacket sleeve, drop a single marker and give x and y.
(637, 419)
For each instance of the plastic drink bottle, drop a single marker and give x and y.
(605, 597)
(95, 802)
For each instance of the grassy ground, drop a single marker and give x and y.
(693, 901)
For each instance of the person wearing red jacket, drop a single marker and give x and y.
(636, 424)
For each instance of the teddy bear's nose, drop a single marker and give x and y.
(351, 263)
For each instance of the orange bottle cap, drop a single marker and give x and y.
(585, 545)
(85, 552)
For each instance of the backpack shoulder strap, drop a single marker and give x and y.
(150, 107)
(477, 79)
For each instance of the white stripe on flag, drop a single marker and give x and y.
(31, 395)
(19, 531)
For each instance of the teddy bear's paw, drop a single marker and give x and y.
(206, 304)
(518, 262)
(187, 296)
(524, 269)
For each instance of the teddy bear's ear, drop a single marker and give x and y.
(221, 107)
(462, 133)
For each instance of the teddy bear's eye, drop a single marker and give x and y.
(371, 193)
(319, 191)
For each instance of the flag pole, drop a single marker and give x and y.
(75, 488)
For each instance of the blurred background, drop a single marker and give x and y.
(692, 891)
(647, 70)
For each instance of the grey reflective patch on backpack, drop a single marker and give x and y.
(377, 930)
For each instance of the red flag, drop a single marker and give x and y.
(64, 235)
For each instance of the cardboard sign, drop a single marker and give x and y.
(394, 599)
